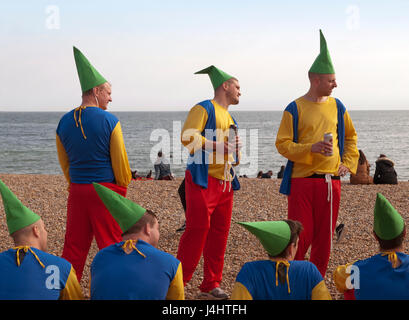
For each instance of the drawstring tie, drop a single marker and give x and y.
(392, 257)
(227, 176)
(25, 249)
(287, 264)
(129, 245)
(328, 180)
(80, 108)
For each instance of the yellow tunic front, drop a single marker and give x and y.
(314, 120)
(193, 140)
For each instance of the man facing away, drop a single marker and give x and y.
(134, 268)
(91, 149)
(209, 183)
(385, 275)
(312, 175)
(28, 272)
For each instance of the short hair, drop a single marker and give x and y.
(228, 81)
(393, 243)
(295, 229)
(149, 217)
(89, 92)
(23, 233)
(312, 75)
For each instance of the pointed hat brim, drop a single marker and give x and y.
(273, 235)
(125, 212)
(18, 216)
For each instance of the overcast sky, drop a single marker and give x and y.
(149, 51)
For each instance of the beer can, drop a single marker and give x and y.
(328, 138)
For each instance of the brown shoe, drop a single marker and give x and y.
(216, 294)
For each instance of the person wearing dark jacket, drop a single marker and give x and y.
(385, 172)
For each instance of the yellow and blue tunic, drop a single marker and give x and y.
(193, 140)
(145, 273)
(31, 274)
(258, 280)
(381, 277)
(91, 148)
(316, 119)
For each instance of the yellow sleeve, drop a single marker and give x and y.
(195, 122)
(72, 290)
(296, 152)
(320, 292)
(63, 159)
(119, 158)
(351, 154)
(240, 292)
(340, 276)
(176, 289)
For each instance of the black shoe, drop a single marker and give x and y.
(182, 228)
(339, 231)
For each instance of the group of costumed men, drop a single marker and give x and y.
(129, 265)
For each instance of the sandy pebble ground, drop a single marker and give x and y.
(257, 200)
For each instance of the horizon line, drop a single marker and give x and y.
(249, 110)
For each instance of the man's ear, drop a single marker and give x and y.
(36, 231)
(147, 229)
(225, 85)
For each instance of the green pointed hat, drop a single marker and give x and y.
(388, 223)
(273, 235)
(89, 76)
(18, 216)
(124, 211)
(323, 63)
(217, 76)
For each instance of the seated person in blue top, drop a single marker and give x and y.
(385, 275)
(280, 277)
(134, 269)
(28, 272)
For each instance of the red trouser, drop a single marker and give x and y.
(308, 203)
(208, 217)
(87, 217)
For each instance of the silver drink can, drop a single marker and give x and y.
(328, 138)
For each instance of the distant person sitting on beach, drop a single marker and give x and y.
(385, 172)
(136, 176)
(25, 267)
(267, 175)
(280, 277)
(362, 175)
(280, 174)
(386, 274)
(162, 168)
(134, 269)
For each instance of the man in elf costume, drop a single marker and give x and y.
(134, 268)
(312, 174)
(28, 272)
(91, 149)
(386, 274)
(209, 183)
(280, 277)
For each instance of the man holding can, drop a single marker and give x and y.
(209, 182)
(319, 140)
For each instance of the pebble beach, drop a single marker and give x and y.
(257, 200)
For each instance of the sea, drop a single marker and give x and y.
(27, 143)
